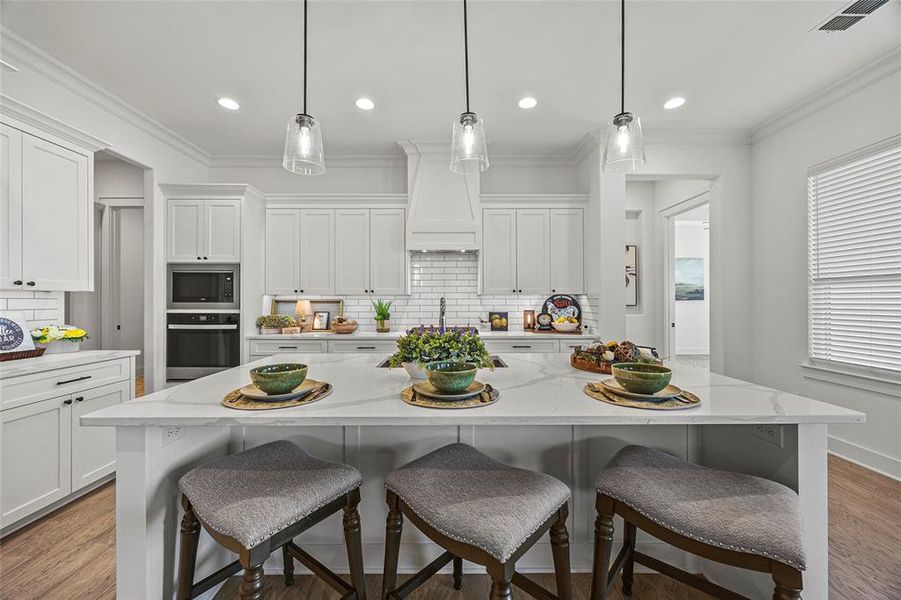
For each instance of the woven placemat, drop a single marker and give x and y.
(680, 402)
(487, 397)
(235, 399)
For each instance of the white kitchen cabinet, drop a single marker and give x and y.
(567, 273)
(35, 450)
(282, 251)
(499, 251)
(352, 251)
(387, 252)
(317, 251)
(203, 230)
(94, 448)
(10, 207)
(532, 247)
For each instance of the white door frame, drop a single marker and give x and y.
(669, 215)
(109, 299)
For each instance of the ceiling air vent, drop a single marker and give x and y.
(843, 19)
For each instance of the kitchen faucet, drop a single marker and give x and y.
(441, 309)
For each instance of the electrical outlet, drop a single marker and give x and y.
(170, 434)
(770, 433)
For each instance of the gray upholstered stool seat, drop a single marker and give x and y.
(720, 508)
(252, 495)
(474, 499)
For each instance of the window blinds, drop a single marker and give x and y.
(854, 229)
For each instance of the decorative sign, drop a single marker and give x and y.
(498, 321)
(631, 275)
(562, 305)
(14, 333)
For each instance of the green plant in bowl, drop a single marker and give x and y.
(279, 378)
(641, 378)
(450, 377)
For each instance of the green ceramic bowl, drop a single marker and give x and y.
(279, 378)
(450, 377)
(641, 378)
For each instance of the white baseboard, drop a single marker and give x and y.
(870, 459)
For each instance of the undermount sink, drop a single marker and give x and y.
(497, 360)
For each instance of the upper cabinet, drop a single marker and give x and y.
(352, 250)
(203, 230)
(532, 251)
(387, 251)
(300, 251)
(47, 229)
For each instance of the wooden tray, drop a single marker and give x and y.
(488, 396)
(598, 392)
(234, 399)
(22, 355)
(555, 332)
(587, 365)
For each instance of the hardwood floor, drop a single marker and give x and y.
(71, 553)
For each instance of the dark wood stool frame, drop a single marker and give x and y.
(787, 579)
(503, 574)
(251, 560)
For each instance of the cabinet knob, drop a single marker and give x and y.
(80, 399)
(520, 291)
(206, 258)
(17, 282)
(295, 291)
(69, 401)
(31, 283)
(301, 291)
(554, 291)
(198, 258)
(514, 291)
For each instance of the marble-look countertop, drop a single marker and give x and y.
(394, 334)
(28, 366)
(536, 389)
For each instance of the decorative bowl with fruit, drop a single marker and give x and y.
(343, 325)
(565, 324)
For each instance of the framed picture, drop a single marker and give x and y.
(321, 320)
(498, 321)
(689, 279)
(631, 275)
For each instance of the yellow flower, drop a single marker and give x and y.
(75, 333)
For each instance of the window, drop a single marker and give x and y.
(854, 230)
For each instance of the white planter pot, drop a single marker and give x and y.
(61, 347)
(270, 330)
(414, 370)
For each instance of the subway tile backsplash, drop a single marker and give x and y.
(453, 275)
(39, 308)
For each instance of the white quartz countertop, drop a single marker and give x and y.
(393, 335)
(536, 389)
(28, 366)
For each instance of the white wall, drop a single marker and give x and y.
(693, 316)
(779, 298)
(117, 179)
(376, 176)
(642, 321)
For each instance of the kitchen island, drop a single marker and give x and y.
(542, 421)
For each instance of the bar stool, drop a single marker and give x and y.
(257, 501)
(731, 518)
(479, 510)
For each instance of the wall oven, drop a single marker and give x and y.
(203, 287)
(199, 344)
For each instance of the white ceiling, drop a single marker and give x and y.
(736, 62)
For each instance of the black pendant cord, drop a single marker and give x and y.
(466, 52)
(304, 56)
(622, 72)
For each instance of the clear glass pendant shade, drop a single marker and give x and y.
(469, 151)
(303, 146)
(624, 150)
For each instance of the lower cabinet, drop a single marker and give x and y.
(46, 454)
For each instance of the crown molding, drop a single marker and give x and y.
(210, 190)
(292, 199)
(13, 109)
(558, 200)
(346, 161)
(18, 51)
(824, 98)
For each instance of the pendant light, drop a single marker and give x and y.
(624, 150)
(303, 139)
(469, 151)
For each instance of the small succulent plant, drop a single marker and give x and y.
(382, 309)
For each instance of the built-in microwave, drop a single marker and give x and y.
(203, 287)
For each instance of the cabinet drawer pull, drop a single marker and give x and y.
(365, 347)
(287, 347)
(67, 402)
(74, 380)
(522, 346)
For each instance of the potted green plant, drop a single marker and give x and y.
(424, 345)
(273, 324)
(382, 315)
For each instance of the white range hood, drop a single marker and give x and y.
(443, 207)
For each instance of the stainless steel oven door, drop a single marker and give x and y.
(198, 344)
(203, 287)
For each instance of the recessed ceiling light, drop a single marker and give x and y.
(365, 104)
(674, 103)
(528, 102)
(228, 103)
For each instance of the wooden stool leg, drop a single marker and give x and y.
(501, 577)
(629, 566)
(353, 540)
(187, 555)
(289, 565)
(393, 528)
(788, 582)
(603, 546)
(252, 583)
(458, 573)
(560, 551)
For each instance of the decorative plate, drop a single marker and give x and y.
(235, 399)
(562, 305)
(680, 402)
(254, 393)
(614, 386)
(427, 389)
(488, 396)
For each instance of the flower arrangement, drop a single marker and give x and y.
(275, 322)
(424, 345)
(53, 333)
